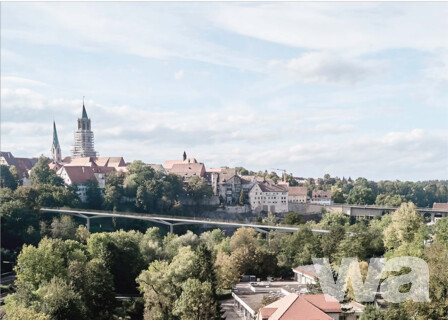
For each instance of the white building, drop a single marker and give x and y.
(297, 194)
(321, 197)
(264, 196)
(80, 175)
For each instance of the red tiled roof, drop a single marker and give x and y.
(188, 170)
(297, 191)
(440, 206)
(321, 194)
(267, 312)
(168, 164)
(84, 161)
(300, 307)
(24, 165)
(81, 174)
(268, 187)
(309, 269)
(324, 302)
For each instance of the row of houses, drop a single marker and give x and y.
(261, 194)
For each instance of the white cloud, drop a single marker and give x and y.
(179, 75)
(18, 81)
(326, 67)
(346, 27)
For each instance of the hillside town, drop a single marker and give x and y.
(229, 186)
(230, 160)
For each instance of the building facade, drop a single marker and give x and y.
(268, 197)
(297, 194)
(321, 197)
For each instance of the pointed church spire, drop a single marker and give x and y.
(84, 113)
(56, 148)
(55, 135)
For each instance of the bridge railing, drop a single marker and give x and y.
(161, 216)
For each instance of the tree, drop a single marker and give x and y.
(162, 283)
(94, 198)
(337, 195)
(271, 219)
(95, 284)
(241, 198)
(293, 218)
(64, 228)
(226, 269)
(198, 188)
(50, 259)
(441, 231)
(121, 252)
(196, 301)
(112, 197)
(17, 311)
(298, 248)
(330, 241)
(42, 174)
(20, 224)
(406, 223)
(360, 194)
(333, 219)
(82, 234)
(7, 180)
(388, 200)
(60, 301)
(372, 313)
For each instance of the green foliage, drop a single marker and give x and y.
(441, 231)
(7, 177)
(198, 188)
(298, 248)
(63, 228)
(331, 219)
(121, 252)
(241, 198)
(94, 199)
(60, 301)
(372, 313)
(42, 174)
(404, 228)
(293, 218)
(361, 195)
(389, 200)
(196, 302)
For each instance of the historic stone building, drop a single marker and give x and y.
(84, 141)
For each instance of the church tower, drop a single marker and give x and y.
(83, 146)
(56, 148)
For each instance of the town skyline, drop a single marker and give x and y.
(237, 96)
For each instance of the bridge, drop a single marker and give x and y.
(172, 221)
(368, 211)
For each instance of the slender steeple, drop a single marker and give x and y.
(84, 112)
(56, 148)
(84, 142)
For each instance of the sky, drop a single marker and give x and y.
(345, 88)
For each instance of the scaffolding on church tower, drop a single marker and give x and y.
(84, 138)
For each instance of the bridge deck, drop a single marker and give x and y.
(173, 220)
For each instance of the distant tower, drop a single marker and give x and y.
(83, 146)
(56, 148)
(185, 155)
